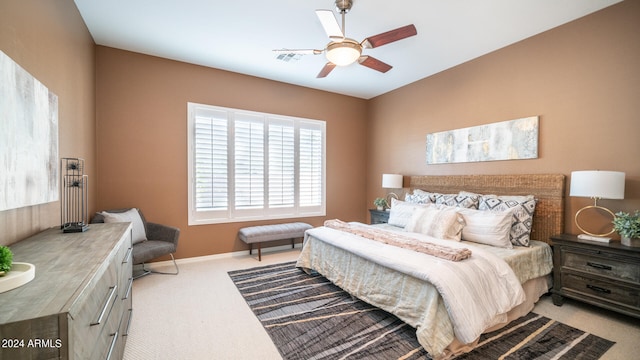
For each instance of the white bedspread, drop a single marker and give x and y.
(477, 292)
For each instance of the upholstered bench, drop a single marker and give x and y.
(259, 234)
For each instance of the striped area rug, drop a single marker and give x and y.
(308, 317)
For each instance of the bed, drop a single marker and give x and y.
(448, 302)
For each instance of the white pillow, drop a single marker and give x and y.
(523, 208)
(443, 223)
(401, 212)
(133, 216)
(487, 227)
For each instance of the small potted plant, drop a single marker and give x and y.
(380, 203)
(628, 226)
(6, 260)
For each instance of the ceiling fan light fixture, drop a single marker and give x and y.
(344, 53)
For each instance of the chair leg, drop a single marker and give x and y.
(148, 271)
(144, 272)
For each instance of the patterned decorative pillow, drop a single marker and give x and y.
(523, 208)
(461, 200)
(420, 197)
(401, 212)
(443, 223)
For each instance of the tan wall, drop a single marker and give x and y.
(142, 139)
(50, 41)
(582, 79)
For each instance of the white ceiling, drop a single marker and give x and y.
(239, 36)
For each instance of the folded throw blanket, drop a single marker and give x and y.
(400, 240)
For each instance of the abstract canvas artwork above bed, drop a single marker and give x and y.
(505, 140)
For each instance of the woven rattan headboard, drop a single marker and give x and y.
(548, 189)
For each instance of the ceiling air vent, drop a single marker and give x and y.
(289, 57)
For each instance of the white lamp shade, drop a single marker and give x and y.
(392, 181)
(597, 184)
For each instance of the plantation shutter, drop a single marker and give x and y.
(311, 167)
(249, 162)
(281, 164)
(211, 176)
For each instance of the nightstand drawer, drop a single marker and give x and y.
(379, 216)
(628, 296)
(601, 264)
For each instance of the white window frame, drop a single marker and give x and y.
(231, 214)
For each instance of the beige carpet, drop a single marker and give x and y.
(199, 314)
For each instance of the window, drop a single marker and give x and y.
(245, 165)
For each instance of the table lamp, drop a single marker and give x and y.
(391, 181)
(597, 185)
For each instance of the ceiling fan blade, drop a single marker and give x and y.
(374, 63)
(298, 51)
(326, 70)
(330, 24)
(389, 36)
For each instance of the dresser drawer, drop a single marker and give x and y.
(126, 255)
(123, 333)
(110, 342)
(600, 289)
(601, 264)
(106, 346)
(125, 274)
(90, 321)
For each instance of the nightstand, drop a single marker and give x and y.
(379, 216)
(602, 274)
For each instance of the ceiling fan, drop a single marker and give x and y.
(343, 51)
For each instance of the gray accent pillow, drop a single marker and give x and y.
(133, 216)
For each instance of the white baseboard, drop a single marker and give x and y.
(235, 254)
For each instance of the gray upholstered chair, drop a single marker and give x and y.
(150, 240)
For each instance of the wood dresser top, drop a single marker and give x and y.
(65, 267)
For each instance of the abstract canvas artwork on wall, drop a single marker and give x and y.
(28, 138)
(505, 140)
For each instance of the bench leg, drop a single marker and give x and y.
(293, 246)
